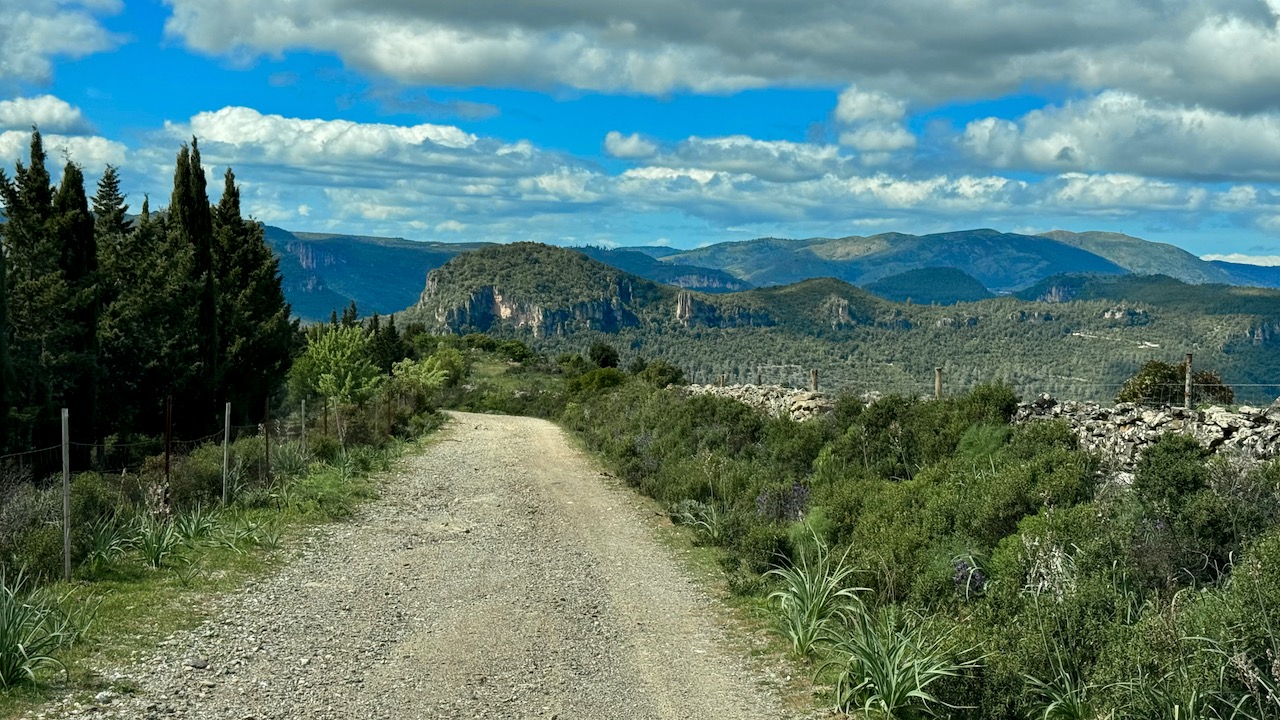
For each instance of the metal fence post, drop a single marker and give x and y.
(66, 496)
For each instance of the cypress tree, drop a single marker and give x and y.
(258, 337)
(191, 222)
(6, 368)
(79, 265)
(38, 297)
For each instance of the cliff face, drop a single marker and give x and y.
(490, 305)
(692, 311)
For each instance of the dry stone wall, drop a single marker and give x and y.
(1121, 432)
(774, 400)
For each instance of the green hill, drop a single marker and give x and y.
(1143, 257)
(926, 286)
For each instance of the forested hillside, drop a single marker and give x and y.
(1075, 336)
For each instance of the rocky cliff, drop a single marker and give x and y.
(490, 305)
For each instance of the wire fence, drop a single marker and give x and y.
(905, 382)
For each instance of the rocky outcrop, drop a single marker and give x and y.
(489, 306)
(1120, 433)
(774, 400)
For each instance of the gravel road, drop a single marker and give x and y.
(500, 575)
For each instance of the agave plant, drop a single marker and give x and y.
(885, 662)
(814, 588)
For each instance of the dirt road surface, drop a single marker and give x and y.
(500, 575)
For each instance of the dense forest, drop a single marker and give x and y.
(108, 316)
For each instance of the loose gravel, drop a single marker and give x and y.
(500, 575)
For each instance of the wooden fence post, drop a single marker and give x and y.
(66, 496)
(168, 447)
(226, 450)
(813, 380)
(937, 383)
(266, 438)
(1186, 396)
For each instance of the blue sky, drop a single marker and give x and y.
(675, 122)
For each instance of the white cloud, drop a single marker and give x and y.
(1121, 132)
(33, 32)
(91, 153)
(771, 160)
(51, 114)
(856, 105)
(877, 138)
(628, 146)
(1264, 260)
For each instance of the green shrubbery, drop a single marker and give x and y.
(1004, 580)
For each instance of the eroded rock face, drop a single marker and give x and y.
(773, 400)
(1120, 433)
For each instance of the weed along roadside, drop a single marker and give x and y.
(143, 572)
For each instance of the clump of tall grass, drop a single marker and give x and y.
(885, 662)
(814, 589)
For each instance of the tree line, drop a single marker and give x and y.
(107, 314)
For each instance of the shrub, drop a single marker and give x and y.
(595, 382)
(1171, 469)
(660, 374)
(603, 355)
(1161, 383)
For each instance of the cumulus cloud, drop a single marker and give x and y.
(628, 146)
(770, 160)
(1121, 132)
(856, 105)
(51, 114)
(1217, 53)
(92, 153)
(36, 31)
(878, 138)
(438, 181)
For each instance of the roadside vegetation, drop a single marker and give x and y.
(928, 559)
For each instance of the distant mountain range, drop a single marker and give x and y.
(1080, 335)
(326, 272)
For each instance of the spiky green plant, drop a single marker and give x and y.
(1066, 695)
(157, 539)
(195, 524)
(885, 662)
(109, 540)
(31, 630)
(813, 590)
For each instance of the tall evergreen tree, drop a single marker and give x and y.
(258, 337)
(148, 340)
(7, 377)
(38, 295)
(74, 228)
(190, 220)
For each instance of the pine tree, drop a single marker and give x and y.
(190, 221)
(258, 337)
